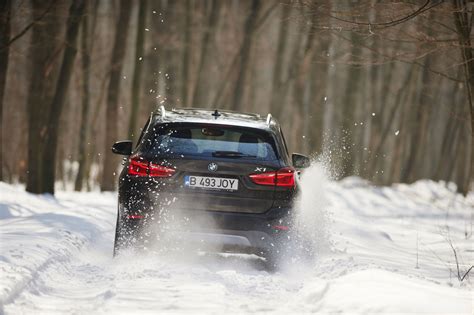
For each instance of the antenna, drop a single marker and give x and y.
(269, 119)
(216, 114)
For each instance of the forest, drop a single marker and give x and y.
(377, 89)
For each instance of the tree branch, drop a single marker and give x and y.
(29, 26)
(394, 58)
(410, 16)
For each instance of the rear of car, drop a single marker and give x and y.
(208, 180)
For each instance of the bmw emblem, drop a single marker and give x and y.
(212, 167)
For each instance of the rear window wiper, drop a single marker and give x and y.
(231, 154)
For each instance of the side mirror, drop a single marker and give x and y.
(122, 147)
(300, 160)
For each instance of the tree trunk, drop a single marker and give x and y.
(5, 12)
(331, 134)
(448, 138)
(85, 64)
(294, 64)
(111, 119)
(464, 26)
(153, 57)
(303, 85)
(171, 53)
(318, 80)
(249, 34)
(186, 53)
(137, 74)
(220, 99)
(349, 105)
(276, 100)
(201, 91)
(42, 53)
(76, 13)
(384, 133)
(418, 124)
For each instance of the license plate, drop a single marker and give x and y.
(211, 182)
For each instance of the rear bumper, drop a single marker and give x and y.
(221, 231)
(254, 242)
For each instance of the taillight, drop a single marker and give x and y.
(135, 217)
(267, 179)
(281, 227)
(137, 167)
(140, 167)
(160, 171)
(284, 177)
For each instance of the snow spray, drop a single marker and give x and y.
(310, 213)
(310, 236)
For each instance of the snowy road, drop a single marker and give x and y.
(55, 258)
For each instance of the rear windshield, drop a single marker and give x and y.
(209, 141)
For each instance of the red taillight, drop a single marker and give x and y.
(281, 227)
(284, 177)
(140, 167)
(267, 179)
(135, 217)
(160, 171)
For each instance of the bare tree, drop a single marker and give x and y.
(249, 34)
(5, 11)
(463, 18)
(201, 91)
(137, 74)
(76, 12)
(171, 53)
(111, 122)
(153, 56)
(186, 52)
(276, 97)
(43, 52)
(87, 32)
(350, 98)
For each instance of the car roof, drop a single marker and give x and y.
(216, 116)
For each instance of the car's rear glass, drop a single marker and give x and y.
(209, 141)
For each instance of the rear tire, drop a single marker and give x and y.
(128, 234)
(272, 261)
(118, 240)
(277, 255)
(285, 252)
(125, 236)
(304, 251)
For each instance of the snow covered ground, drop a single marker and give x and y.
(383, 250)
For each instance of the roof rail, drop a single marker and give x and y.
(162, 111)
(269, 119)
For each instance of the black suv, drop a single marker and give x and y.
(218, 176)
